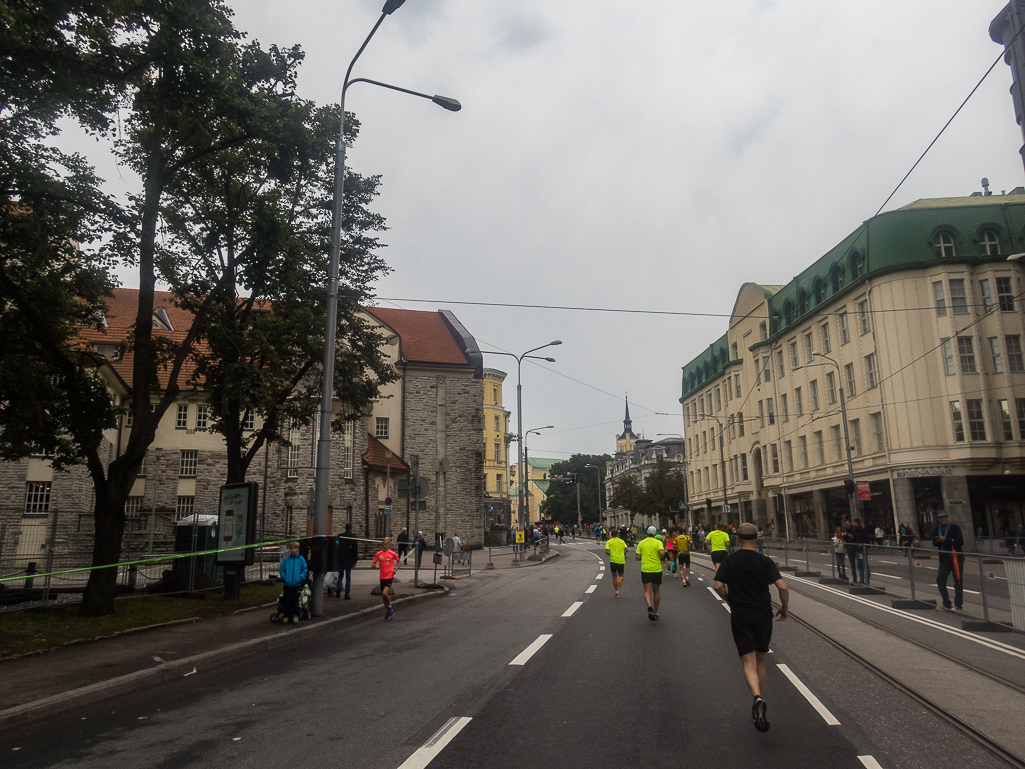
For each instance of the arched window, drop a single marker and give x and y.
(818, 291)
(774, 323)
(943, 242)
(722, 357)
(802, 302)
(857, 265)
(788, 312)
(836, 277)
(989, 242)
(705, 371)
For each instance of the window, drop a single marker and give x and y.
(142, 465)
(943, 242)
(824, 337)
(293, 451)
(798, 402)
(987, 296)
(809, 348)
(771, 410)
(1014, 356)
(498, 452)
(857, 265)
(966, 351)
(820, 447)
(958, 298)
(494, 395)
(761, 414)
(758, 370)
(181, 419)
(736, 379)
(348, 436)
(133, 506)
(37, 498)
(733, 351)
(845, 330)
(852, 389)
(1005, 420)
(202, 416)
(877, 430)
(1005, 296)
(1019, 405)
(976, 420)
(715, 476)
(871, 371)
(718, 400)
(794, 362)
(767, 369)
(743, 466)
(704, 441)
(834, 432)
(129, 417)
(188, 464)
(184, 508)
(956, 422)
(784, 411)
(813, 387)
(939, 298)
(774, 451)
(830, 388)
(780, 371)
(948, 356)
(762, 333)
(381, 427)
(802, 450)
(989, 243)
(996, 357)
(863, 317)
(854, 426)
(498, 424)
(788, 456)
(740, 423)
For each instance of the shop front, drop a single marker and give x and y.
(997, 503)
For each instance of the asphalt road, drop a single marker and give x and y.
(435, 685)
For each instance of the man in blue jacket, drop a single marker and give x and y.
(293, 571)
(950, 541)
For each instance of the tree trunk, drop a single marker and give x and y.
(109, 520)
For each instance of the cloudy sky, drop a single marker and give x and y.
(643, 156)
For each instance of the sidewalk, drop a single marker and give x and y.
(39, 684)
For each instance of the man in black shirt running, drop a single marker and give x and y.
(743, 580)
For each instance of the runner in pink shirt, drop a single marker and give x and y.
(387, 560)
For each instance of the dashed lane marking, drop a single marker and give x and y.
(430, 749)
(600, 575)
(712, 591)
(869, 762)
(573, 607)
(591, 589)
(812, 699)
(530, 651)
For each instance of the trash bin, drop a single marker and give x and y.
(204, 528)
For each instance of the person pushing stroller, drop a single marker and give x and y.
(293, 570)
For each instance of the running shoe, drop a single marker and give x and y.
(655, 618)
(617, 594)
(651, 614)
(758, 715)
(390, 613)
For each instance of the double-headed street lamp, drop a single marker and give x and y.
(322, 483)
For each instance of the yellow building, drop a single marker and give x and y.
(539, 473)
(496, 450)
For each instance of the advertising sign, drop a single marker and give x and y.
(237, 523)
(864, 492)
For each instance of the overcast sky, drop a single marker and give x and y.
(640, 155)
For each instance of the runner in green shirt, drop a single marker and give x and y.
(650, 552)
(616, 549)
(719, 542)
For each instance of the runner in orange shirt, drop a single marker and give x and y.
(387, 560)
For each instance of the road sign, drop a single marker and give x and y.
(387, 510)
(406, 489)
(725, 508)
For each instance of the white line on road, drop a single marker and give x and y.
(880, 574)
(591, 589)
(600, 575)
(601, 568)
(830, 718)
(892, 563)
(726, 606)
(869, 762)
(430, 749)
(712, 591)
(526, 654)
(573, 607)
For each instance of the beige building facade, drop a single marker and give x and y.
(496, 451)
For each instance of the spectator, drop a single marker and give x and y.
(348, 554)
(403, 542)
(293, 571)
(879, 535)
(839, 551)
(421, 545)
(950, 541)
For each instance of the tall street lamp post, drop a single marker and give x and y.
(722, 463)
(322, 483)
(526, 463)
(519, 421)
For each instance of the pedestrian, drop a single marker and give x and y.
(421, 545)
(743, 582)
(879, 535)
(683, 557)
(386, 560)
(615, 549)
(669, 545)
(950, 541)
(348, 554)
(293, 571)
(403, 542)
(839, 551)
(719, 542)
(651, 553)
(457, 547)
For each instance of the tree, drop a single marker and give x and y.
(561, 500)
(664, 490)
(628, 493)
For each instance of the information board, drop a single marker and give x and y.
(237, 523)
(519, 538)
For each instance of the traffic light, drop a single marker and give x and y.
(708, 503)
(850, 486)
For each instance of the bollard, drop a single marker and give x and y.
(29, 571)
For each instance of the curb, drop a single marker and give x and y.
(293, 638)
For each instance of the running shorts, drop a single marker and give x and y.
(386, 583)
(617, 568)
(752, 629)
(718, 556)
(652, 577)
(683, 559)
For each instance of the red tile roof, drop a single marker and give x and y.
(375, 456)
(424, 336)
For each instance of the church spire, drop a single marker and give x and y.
(627, 424)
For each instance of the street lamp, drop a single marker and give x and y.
(850, 484)
(686, 486)
(526, 462)
(600, 508)
(519, 418)
(722, 463)
(322, 482)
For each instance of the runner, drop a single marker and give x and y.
(616, 549)
(651, 552)
(670, 551)
(743, 582)
(683, 557)
(719, 542)
(386, 560)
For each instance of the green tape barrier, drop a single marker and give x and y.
(172, 557)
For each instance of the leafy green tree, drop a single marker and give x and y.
(628, 494)
(561, 501)
(664, 490)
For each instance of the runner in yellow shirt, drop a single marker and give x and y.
(683, 557)
(651, 552)
(719, 542)
(616, 549)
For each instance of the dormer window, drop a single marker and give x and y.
(161, 320)
(943, 242)
(989, 242)
(857, 265)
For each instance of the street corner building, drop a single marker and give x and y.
(910, 331)
(433, 410)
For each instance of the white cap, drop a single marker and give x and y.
(663, 531)
(651, 529)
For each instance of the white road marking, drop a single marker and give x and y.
(573, 607)
(726, 606)
(430, 749)
(712, 591)
(869, 762)
(601, 568)
(600, 575)
(591, 589)
(819, 707)
(892, 563)
(889, 576)
(526, 654)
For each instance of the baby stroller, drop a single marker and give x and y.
(304, 603)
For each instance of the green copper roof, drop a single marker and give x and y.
(542, 463)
